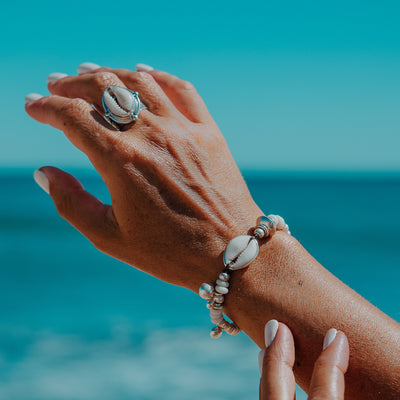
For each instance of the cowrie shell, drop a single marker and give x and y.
(121, 104)
(240, 252)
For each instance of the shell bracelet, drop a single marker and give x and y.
(238, 254)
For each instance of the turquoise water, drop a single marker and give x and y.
(76, 324)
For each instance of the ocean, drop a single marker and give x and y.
(78, 325)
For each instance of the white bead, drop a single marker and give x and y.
(206, 291)
(218, 298)
(280, 222)
(217, 320)
(221, 290)
(240, 252)
(286, 228)
(224, 324)
(232, 330)
(222, 283)
(224, 276)
(216, 332)
(214, 312)
(209, 304)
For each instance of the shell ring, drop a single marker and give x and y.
(121, 105)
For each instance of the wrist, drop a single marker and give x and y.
(239, 253)
(251, 299)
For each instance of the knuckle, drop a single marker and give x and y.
(104, 78)
(186, 85)
(142, 78)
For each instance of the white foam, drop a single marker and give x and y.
(171, 364)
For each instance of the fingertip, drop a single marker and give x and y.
(336, 346)
(140, 67)
(343, 349)
(270, 330)
(280, 342)
(87, 67)
(42, 180)
(31, 98)
(329, 338)
(276, 362)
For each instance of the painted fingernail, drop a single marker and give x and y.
(143, 68)
(30, 98)
(87, 67)
(42, 180)
(270, 331)
(55, 76)
(329, 337)
(261, 360)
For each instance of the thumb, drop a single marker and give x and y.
(85, 212)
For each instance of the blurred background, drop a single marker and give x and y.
(307, 96)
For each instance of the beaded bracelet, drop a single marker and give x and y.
(238, 254)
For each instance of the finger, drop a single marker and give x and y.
(89, 87)
(183, 95)
(81, 209)
(76, 118)
(277, 380)
(327, 381)
(150, 92)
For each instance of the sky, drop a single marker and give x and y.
(293, 85)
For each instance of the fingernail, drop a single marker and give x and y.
(30, 98)
(42, 180)
(55, 76)
(87, 67)
(270, 331)
(143, 68)
(261, 360)
(329, 337)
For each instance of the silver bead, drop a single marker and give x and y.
(221, 290)
(219, 298)
(218, 306)
(268, 225)
(224, 324)
(206, 291)
(224, 276)
(232, 330)
(222, 283)
(259, 232)
(210, 304)
(216, 332)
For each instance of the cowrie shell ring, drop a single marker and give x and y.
(121, 105)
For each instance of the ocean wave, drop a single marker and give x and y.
(177, 364)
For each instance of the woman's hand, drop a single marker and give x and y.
(177, 194)
(276, 363)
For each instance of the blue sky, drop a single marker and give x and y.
(294, 85)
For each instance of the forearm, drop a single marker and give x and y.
(287, 284)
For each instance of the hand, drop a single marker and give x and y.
(277, 361)
(177, 194)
